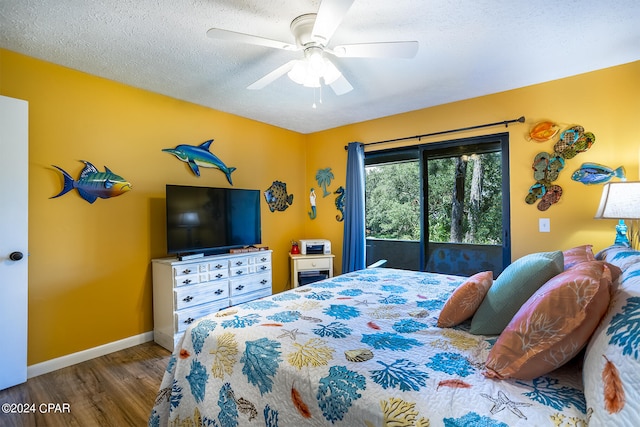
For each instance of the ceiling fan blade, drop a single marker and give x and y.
(273, 76)
(341, 86)
(377, 50)
(330, 14)
(219, 34)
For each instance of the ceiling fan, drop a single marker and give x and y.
(312, 33)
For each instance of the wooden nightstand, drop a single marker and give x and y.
(310, 268)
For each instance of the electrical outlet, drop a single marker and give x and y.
(544, 225)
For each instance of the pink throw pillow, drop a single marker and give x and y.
(465, 300)
(575, 256)
(553, 325)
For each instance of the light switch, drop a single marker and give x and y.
(544, 225)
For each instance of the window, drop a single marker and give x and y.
(440, 207)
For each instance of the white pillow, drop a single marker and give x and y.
(611, 370)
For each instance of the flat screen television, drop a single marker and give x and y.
(211, 220)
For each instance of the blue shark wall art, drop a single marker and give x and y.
(199, 156)
(93, 183)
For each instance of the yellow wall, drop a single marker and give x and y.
(89, 269)
(89, 264)
(605, 102)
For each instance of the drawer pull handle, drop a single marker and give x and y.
(239, 262)
(218, 292)
(219, 266)
(239, 287)
(263, 267)
(187, 281)
(264, 282)
(239, 272)
(187, 298)
(189, 321)
(187, 271)
(219, 275)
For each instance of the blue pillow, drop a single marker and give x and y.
(513, 287)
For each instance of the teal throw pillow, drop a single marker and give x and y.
(513, 287)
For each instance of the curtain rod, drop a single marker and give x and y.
(424, 135)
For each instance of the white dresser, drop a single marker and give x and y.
(184, 291)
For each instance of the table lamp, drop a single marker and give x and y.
(621, 200)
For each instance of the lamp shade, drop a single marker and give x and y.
(620, 200)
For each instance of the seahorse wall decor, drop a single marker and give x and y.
(547, 166)
(340, 203)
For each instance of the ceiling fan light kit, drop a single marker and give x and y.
(312, 33)
(315, 66)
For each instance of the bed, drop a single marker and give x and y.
(365, 349)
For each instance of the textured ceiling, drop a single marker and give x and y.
(467, 49)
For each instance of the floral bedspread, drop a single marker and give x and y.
(360, 349)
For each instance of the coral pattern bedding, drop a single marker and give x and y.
(360, 349)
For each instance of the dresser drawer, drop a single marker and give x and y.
(238, 262)
(260, 258)
(218, 265)
(184, 318)
(250, 284)
(238, 271)
(186, 279)
(216, 275)
(185, 270)
(189, 296)
(314, 264)
(259, 268)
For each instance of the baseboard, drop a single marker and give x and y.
(84, 355)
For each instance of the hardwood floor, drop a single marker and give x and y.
(118, 390)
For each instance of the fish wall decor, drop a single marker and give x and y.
(277, 197)
(543, 131)
(199, 156)
(594, 173)
(547, 166)
(93, 183)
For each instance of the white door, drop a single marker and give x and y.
(14, 175)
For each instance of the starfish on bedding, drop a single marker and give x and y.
(291, 333)
(502, 402)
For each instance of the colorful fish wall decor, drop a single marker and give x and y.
(543, 131)
(547, 166)
(594, 173)
(324, 177)
(340, 198)
(277, 197)
(197, 156)
(93, 184)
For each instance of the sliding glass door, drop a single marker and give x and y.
(466, 193)
(441, 207)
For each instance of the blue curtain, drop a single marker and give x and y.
(353, 246)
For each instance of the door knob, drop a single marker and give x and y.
(15, 256)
